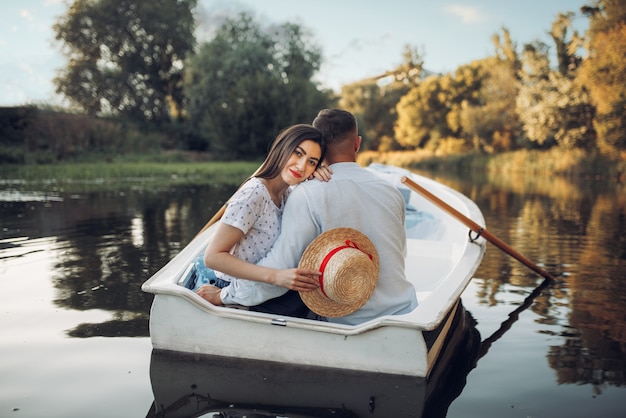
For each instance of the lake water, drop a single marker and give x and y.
(74, 321)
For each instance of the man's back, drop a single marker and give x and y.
(358, 199)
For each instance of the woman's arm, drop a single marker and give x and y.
(218, 257)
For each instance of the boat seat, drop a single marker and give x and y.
(427, 263)
(429, 248)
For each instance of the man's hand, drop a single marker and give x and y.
(210, 293)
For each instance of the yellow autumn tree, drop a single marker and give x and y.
(604, 75)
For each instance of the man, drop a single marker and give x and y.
(354, 198)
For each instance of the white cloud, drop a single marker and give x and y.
(468, 14)
(27, 68)
(26, 15)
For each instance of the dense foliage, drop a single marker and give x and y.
(603, 73)
(516, 99)
(233, 92)
(247, 84)
(35, 135)
(552, 109)
(125, 56)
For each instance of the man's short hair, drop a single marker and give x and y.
(334, 124)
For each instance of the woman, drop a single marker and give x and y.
(251, 222)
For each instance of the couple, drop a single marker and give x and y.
(342, 195)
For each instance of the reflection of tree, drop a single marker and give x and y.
(572, 228)
(123, 327)
(596, 353)
(589, 359)
(104, 261)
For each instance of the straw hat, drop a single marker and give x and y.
(349, 265)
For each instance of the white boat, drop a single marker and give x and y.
(441, 260)
(194, 386)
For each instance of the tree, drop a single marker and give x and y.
(507, 51)
(603, 73)
(364, 100)
(492, 124)
(485, 116)
(604, 15)
(299, 59)
(551, 107)
(422, 112)
(126, 56)
(566, 48)
(248, 83)
(374, 100)
(465, 101)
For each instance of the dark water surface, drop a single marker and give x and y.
(74, 322)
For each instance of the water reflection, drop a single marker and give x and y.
(105, 244)
(576, 230)
(108, 243)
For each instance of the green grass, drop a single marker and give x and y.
(175, 168)
(83, 176)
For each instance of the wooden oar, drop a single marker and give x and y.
(475, 227)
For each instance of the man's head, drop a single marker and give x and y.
(340, 131)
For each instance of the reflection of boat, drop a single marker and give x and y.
(440, 262)
(186, 385)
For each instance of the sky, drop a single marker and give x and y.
(358, 38)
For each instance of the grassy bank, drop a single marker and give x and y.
(221, 171)
(570, 163)
(85, 176)
(186, 168)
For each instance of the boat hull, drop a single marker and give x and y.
(193, 385)
(394, 348)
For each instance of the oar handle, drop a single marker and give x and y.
(475, 227)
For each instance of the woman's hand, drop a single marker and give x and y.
(323, 173)
(210, 293)
(297, 279)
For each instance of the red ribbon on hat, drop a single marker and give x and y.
(349, 244)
